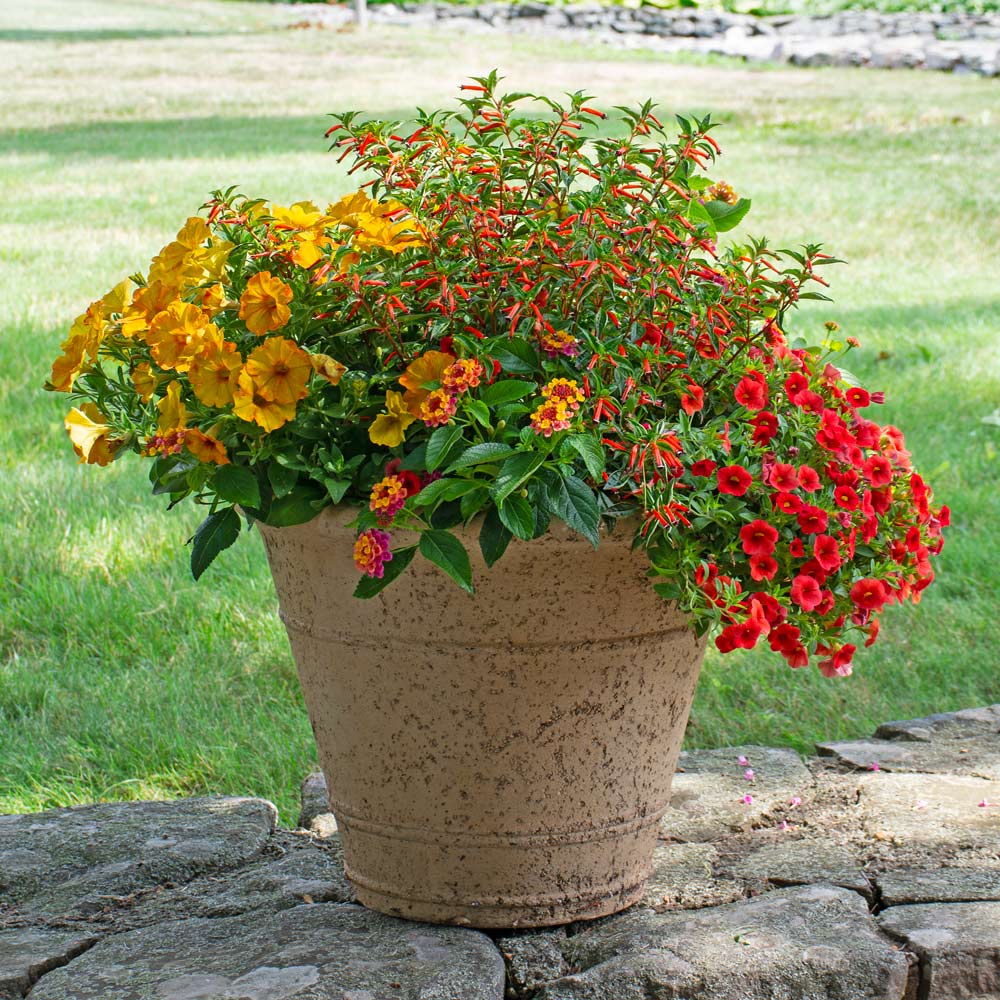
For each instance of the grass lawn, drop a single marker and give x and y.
(120, 677)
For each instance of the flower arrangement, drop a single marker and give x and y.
(518, 318)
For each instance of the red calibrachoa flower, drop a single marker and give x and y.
(734, 480)
(515, 321)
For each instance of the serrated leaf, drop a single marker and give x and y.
(506, 391)
(726, 216)
(416, 460)
(443, 549)
(297, 507)
(472, 502)
(444, 489)
(516, 355)
(514, 471)
(579, 508)
(217, 532)
(441, 442)
(590, 451)
(237, 484)
(282, 480)
(518, 517)
(480, 412)
(369, 586)
(478, 454)
(494, 537)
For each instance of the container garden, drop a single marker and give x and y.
(520, 433)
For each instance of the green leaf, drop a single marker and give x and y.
(518, 517)
(336, 488)
(217, 532)
(506, 391)
(237, 484)
(516, 355)
(416, 459)
(443, 549)
(488, 451)
(514, 471)
(369, 586)
(494, 537)
(579, 508)
(590, 451)
(297, 507)
(726, 216)
(444, 489)
(473, 502)
(440, 443)
(480, 412)
(282, 480)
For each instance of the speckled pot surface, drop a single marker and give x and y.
(497, 760)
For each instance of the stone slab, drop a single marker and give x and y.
(799, 862)
(708, 796)
(81, 861)
(939, 885)
(958, 945)
(935, 813)
(26, 953)
(294, 869)
(684, 878)
(327, 951)
(533, 958)
(796, 944)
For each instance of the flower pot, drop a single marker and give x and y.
(496, 760)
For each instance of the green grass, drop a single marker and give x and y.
(119, 676)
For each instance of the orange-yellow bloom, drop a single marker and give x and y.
(85, 338)
(215, 371)
(264, 303)
(88, 431)
(280, 370)
(144, 381)
(304, 224)
(328, 368)
(251, 406)
(173, 413)
(204, 447)
(176, 335)
(420, 376)
(146, 303)
(389, 428)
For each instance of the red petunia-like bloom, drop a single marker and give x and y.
(796, 549)
(704, 467)
(869, 594)
(751, 392)
(826, 552)
(839, 664)
(765, 426)
(787, 503)
(857, 397)
(734, 480)
(806, 592)
(795, 385)
(762, 567)
(809, 479)
(878, 471)
(812, 520)
(783, 477)
(692, 400)
(844, 496)
(758, 538)
(785, 640)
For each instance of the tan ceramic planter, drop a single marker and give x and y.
(499, 760)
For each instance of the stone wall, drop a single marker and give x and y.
(956, 42)
(869, 871)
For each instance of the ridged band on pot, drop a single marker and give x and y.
(496, 760)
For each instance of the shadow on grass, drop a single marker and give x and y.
(64, 35)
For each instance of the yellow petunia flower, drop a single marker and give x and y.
(176, 335)
(280, 370)
(389, 428)
(304, 225)
(173, 413)
(146, 303)
(204, 447)
(264, 303)
(251, 406)
(420, 375)
(327, 367)
(88, 431)
(145, 382)
(215, 370)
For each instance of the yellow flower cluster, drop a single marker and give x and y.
(561, 399)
